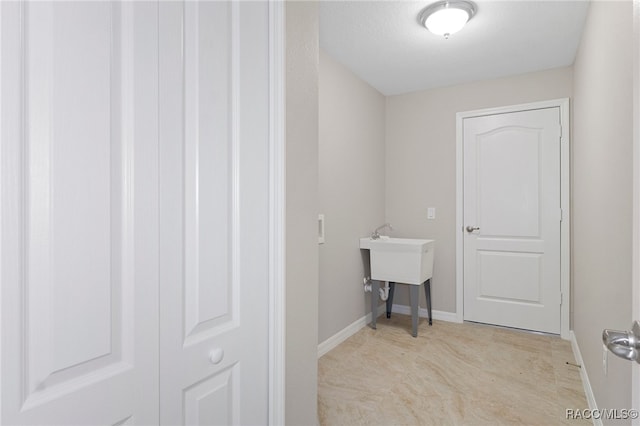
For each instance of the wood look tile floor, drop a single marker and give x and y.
(451, 374)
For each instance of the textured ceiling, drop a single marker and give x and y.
(383, 43)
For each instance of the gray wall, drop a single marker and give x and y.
(421, 161)
(388, 159)
(602, 193)
(351, 190)
(301, 213)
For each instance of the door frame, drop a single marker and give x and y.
(565, 225)
(277, 224)
(635, 232)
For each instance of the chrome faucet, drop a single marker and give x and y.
(376, 233)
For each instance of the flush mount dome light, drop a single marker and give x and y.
(447, 17)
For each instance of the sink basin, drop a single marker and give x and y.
(400, 260)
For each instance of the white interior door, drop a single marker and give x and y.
(214, 129)
(512, 219)
(635, 303)
(78, 235)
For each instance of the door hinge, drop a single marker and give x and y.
(560, 133)
(561, 215)
(561, 298)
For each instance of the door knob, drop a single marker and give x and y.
(625, 344)
(472, 228)
(216, 355)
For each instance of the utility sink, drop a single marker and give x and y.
(401, 260)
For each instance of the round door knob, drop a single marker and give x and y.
(216, 355)
(472, 228)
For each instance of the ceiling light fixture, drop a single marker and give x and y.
(447, 17)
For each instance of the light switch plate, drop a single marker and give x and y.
(431, 213)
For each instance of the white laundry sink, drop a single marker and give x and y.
(400, 260)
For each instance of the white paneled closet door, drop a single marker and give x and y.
(214, 156)
(79, 217)
(134, 224)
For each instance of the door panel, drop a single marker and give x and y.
(76, 334)
(69, 236)
(521, 271)
(508, 178)
(210, 401)
(214, 186)
(208, 187)
(512, 194)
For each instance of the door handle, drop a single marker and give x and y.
(472, 228)
(216, 355)
(625, 344)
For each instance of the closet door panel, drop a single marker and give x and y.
(76, 254)
(214, 186)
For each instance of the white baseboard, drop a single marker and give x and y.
(346, 332)
(591, 399)
(360, 323)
